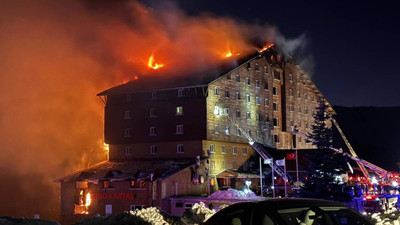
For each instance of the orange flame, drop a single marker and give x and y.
(152, 64)
(88, 200)
(266, 47)
(228, 54)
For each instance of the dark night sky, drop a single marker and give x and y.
(355, 44)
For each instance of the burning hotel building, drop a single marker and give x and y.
(174, 137)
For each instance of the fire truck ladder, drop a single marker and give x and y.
(260, 150)
(353, 153)
(381, 172)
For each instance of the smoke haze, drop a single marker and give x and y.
(55, 56)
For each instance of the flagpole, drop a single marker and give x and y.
(284, 166)
(261, 185)
(297, 171)
(272, 175)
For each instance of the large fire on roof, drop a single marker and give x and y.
(53, 63)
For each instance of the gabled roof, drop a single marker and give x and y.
(120, 171)
(148, 83)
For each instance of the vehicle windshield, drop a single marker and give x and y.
(320, 215)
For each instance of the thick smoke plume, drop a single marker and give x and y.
(55, 56)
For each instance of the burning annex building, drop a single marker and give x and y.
(189, 136)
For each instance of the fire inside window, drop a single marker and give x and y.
(84, 201)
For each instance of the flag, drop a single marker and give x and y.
(291, 156)
(267, 161)
(280, 162)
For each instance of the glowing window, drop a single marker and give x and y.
(179, 110)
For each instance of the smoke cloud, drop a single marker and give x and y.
(55, 56)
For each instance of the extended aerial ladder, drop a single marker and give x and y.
(257, 146)
(378, 170)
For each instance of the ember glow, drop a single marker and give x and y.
(152, 64)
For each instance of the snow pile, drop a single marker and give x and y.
(391, 218)
(233, 194)
(153, 216)
(198, 214)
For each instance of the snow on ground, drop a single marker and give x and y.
(233, 194)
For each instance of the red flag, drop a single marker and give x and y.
(291, 156)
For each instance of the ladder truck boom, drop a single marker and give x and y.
(353, 153)
(381, 172)
(259, 149)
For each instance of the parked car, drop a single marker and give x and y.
(290, 211)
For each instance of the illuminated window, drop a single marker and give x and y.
(180, 92)
(238, 78)
(179, 148)
(258, 100)
(153, 112)
(153, 131)
(216, 91)
(247, 98)
(153, 95)
(276, 138)
(248, 80)
(223, 149)
(179, 110)
(179, 129)
(234, 150)
(127, 115)
(106, 184)
(238, 95)
(128, 98)
(153, 149)
(227, 130)
(275, 122)
(275, 106)
(216, 128)
(212, 148)
(238, 113)
(227, 93)
(128, 150)
(275, 91)
(128, 132)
